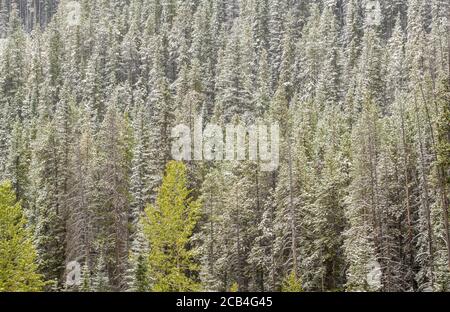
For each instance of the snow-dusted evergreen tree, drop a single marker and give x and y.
(18, 164)
(362, 238)
(12, 82)
(100, 279)
(49, 202)
(112, 209)
(137, 277)
(162, 115)
(81, 194)
(213, 269)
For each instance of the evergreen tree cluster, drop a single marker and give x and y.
(360, 89)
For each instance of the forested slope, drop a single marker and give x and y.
(360, 89)
(32, 13)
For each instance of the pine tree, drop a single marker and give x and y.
(162, 116)
(416, 47)
(232, 96)
(213, 198)
(49, 205)
(263, 90)
(140, 171)
(352, 34)
(323, 193)
(242, 217)
(275, 38)
(328, 91)
(12, 82)
(18, 165)
(3, 19)
(100, 281)
(112, 211)
(310, 58)
(363, 237)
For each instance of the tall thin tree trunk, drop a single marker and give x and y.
(292, 211)
(426, 193)
(448, 138)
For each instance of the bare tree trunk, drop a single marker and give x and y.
(292, 212)
(426, 193)
(373, 159)
(211, 237)
(272, 240)
(448, 42)
(240, 265)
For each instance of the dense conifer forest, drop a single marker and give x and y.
(92, 199)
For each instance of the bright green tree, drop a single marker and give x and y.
(168, 226)
(292, 283)
(18, 269)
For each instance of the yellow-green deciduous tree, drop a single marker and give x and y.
(18, 269)
(292, 283)
(168, 227)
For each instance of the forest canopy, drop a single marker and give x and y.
(90, 91)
